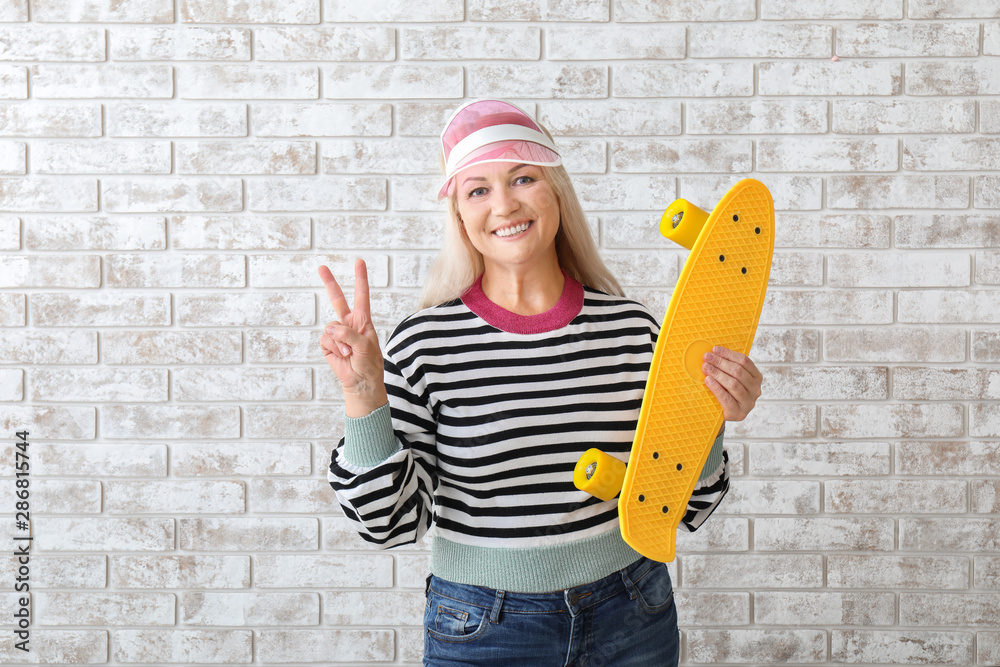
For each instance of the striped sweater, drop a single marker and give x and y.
(488, 413)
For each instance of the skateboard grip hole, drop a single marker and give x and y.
(665, 509)
(744, 270)
(642, 498)
(722, 258)
(680, 466)
(656, 455)
(736, 217)
(757, 230)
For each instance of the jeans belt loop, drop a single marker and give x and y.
(495, 614)
(629, 586)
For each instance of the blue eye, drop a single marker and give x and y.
(477, 192)
(524, 179)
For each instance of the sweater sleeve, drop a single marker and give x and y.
(383, 470)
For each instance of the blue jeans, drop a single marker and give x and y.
(626, 619)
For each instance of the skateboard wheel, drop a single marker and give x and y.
(599, 474)
(682, 222)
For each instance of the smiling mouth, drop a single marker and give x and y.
(513, 231)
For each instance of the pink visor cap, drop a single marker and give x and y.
(492, 131)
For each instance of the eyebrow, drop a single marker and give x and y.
(483, 178)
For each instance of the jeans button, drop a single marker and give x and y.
(573, 598)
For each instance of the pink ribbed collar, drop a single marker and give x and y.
(569, 306)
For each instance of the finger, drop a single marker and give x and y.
(335, 294)
(331, 346)
(735, 365)
(729, 404)
(350, 338)
(361, 300)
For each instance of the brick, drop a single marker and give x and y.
(944, 384)
(13, 310)
(827, 383)
(907, 647)
(895, 497)
(800, 307)
(757, 117)
(382, 231)
(325, 43)
(829, 459)
(299, 646)
(903, 116)
(892, 421)
(480, 43)
(611, 118)
(892, 572)
(13, 82)
(683, 80)
(412, 570)
(134, 195)
(760, 40)
(963, 459)
(947, 231)
(104, 157)
(60, 647)
(58, 423)
(321, 120)
(14, 10)
(950, 154)
(181, 270)
(987, 572)
(874, 192)
(171, 421)
(180, 43)
(254, 609)
(989, 647)
(44, 271)
(898, 344)
(66, 496)
(250, 11)
(960, 535)
(250, 309)
(373, 607)
(772, 497)
(682, 155)
(879, 269)
(984, 420)
(948, 306)
(985, 346)
(789, 192)
(55, 119)
(769, 646)
(128, 119)
(248, 534)
(251, 459)
(895, 40)
(814, 155)
(539, 10)
(328, 194)
(172, 347)
(246, 157)
(388, 156)
(953, 9)
(985, 496)
(243, 384)
(104, 81)
(59, 571)
(99, 385)
(612, 192)
(616, 42)
(104, 534)
(299, 496)
(968, 77)
(830, 78)
(792, 421)
(700, 609)
(46, 43)
(645, 11)
(817, 10)
(10, 233)
(390, 11)
(283, 345)
(48, 194)
(989, 117)
(180, 571)
(104, 608)
(826, 534)
(174, 497)
(324, 571)
(264, 421)
(538, 80)
(189, 232)
(753, 571)
(803, 269)
(378, 81)
(985, 194)
(146, 460)
(13, 157)
(988, 268)
(832, 231)
(183, 646)
(100, 309)
(792, 609)
(103, 11)
(646, 268)
(96, 233)
(719, 535)
(251, 81)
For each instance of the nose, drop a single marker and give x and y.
(504, 201)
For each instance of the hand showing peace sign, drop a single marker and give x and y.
(351, 347)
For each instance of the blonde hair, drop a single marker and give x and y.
(459, 263)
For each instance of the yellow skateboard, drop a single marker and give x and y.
(717, 301)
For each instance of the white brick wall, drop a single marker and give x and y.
(172, 172)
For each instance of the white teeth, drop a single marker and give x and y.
(510, 231)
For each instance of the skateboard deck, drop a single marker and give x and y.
(717, 301)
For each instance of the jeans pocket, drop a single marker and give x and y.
(654, 589)
(451, 620)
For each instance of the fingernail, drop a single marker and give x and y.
(330, 329)
(708, 356)
(344, 350)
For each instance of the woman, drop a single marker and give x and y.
(525, 353)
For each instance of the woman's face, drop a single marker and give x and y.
(510, 213)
